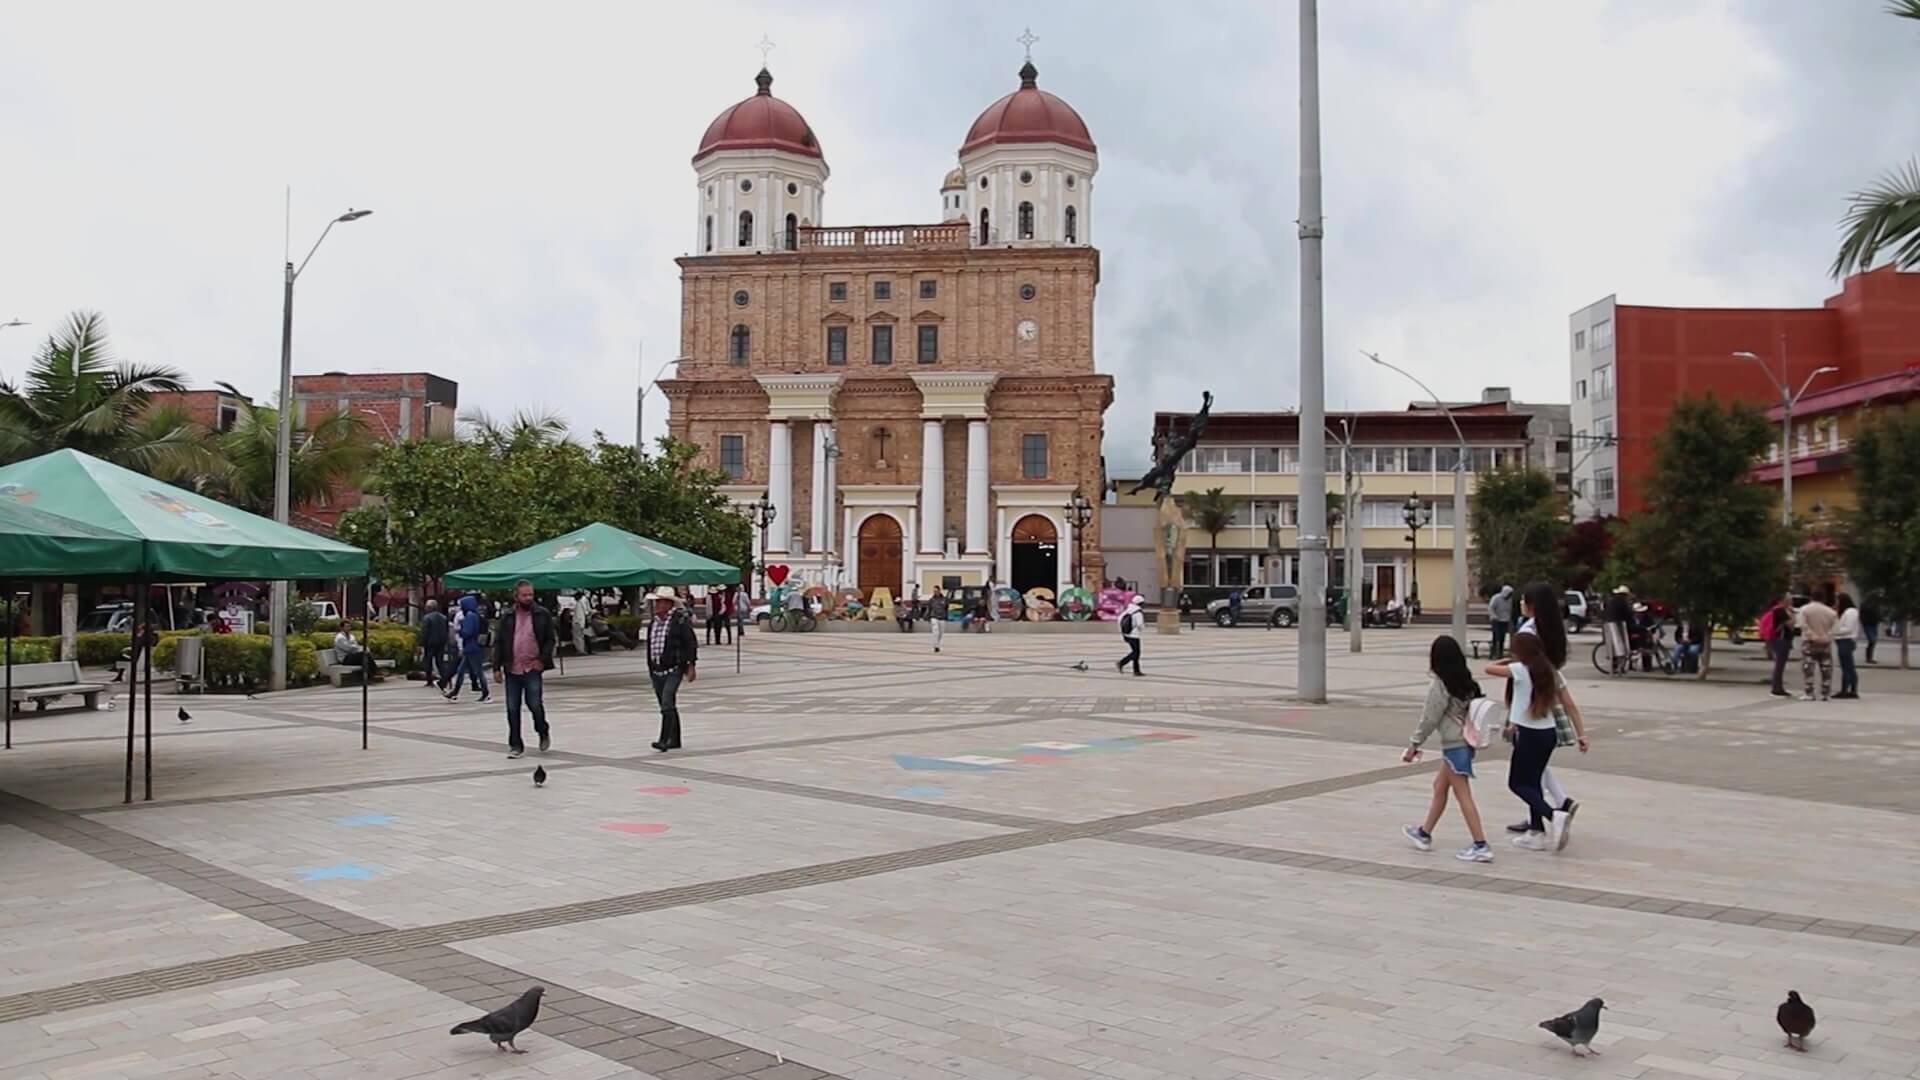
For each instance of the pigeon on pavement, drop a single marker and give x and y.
(502, 1025)
(183, 715)
(1080, 665)
(1796, 1019)
(1578, 1028)
(539, 776)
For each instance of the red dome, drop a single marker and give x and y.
(761, 122)
(1029, 115)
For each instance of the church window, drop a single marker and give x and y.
(793, 189)
(1073, 225)
(986, 235)
(929, 288)
(1026, 176)
(1026, 221)
(983, 183)
(746, 185)
(1033, 456)
(836, 290)
(709, 232)
(739, 344)
(1028, 292)
(733, 455)
(836, 344)
(929, 344)
(882, 343)
(746, 229)
(793, 233)
(883, 290)
(1069, 181)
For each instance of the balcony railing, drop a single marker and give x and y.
(857, 237)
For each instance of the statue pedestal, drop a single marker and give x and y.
(1168, 619)
(1170, 544)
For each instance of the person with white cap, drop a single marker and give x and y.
(1130, 620)
(672, 650)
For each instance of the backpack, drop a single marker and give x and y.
(1483, 723)
(1126, 625)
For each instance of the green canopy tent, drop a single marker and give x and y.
(598, 556)
(182, 536)
(36, 545)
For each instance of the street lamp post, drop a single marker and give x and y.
(1788, 399)
(283, 459)
(1353, 540)
(640, 408)
(1417, 513)
(1311, 670)
(1079, 513)
(762, 512)
(1459, 502)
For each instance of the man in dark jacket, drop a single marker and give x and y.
(433, 646)
(523, 648)
(672, 650)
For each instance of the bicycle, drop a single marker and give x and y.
(800, 622)
(1649, 653)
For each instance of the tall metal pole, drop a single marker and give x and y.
(282, 483)
(1786, 439)
(1312, 674)
(640, 405)
(1356, 555)
(1460, 544)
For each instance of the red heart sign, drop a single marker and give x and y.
(777, 574)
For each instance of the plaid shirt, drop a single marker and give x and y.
(656, 639)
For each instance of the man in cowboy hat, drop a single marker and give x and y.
(672, 649)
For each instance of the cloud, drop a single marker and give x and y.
(1488, 169)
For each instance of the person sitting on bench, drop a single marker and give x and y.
(352, 653)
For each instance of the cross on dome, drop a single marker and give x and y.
(1027, 38)
(766, 46)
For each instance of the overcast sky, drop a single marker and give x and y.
(1490, 167)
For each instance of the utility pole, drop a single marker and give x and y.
(1355, 537)
(640, 404)
(1311, 682)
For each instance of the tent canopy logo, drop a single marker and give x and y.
(179, 509)
(18, 493)
(571, 550)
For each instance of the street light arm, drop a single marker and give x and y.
(1437, 403)
(656, 376)
(351, 215)
(1812, 376)
(1778, 386)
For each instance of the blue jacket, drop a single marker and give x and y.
(471, 626)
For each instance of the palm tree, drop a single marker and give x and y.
(523, 430)
(335, 454)
(77, 396)
(1213, 511)
(1886, 215)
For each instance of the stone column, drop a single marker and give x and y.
(780, 485)
(829, 510)
(977, 486)
(817, 528)
(933, 490)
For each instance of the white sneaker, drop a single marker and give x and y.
(1806, 697)
(1474, 853)
(1420, 840)
(1531, 841)
(1557, 832)
(1565, 820)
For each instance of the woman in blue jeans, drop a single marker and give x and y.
(1845, 634)
(1530, 724)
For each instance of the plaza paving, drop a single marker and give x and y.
(874, 862)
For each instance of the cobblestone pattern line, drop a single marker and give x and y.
(321, 789)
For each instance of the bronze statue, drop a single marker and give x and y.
(1168, 452)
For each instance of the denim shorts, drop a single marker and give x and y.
(1460, 760)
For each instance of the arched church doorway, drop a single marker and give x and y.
(1036, 554)
(879, 555)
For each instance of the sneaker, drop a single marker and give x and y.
(516, 752)
(1420, 837)
(1565, 818)
(1806, 697)
(1781, 693)
(544, 743)
(1521, 827)
(484, 698)
(1474, 853)
(1557, 834)
(1531, 841)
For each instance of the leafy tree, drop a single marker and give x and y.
(1212, 510)
(1886, 215)
(77, 396)
(1515, 518)
(1708, 543)
(1585, 547)
(334, 455)
(1881, 535)
(669, 498)
(524, 429)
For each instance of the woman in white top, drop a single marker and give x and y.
(1530, 725)
(1542, 617)
(1845, 631)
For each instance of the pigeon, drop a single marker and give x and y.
(504, 1024)
(1796, 1019)
(183, 715)
(1578, 1028)
(1080, 665)
(539, 776)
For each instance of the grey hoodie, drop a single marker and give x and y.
(1500, 608)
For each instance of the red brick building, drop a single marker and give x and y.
(1629, 362)
(394, 405)
(215, 410)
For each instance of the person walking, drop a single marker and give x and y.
(1776, 626)
(1130, 620)
(1234, 600)
(1186, 609)
(672, 653)
(473, 640)
(523, 648)
(1500, 620)
(1450, 699)
(1845, 632)
(1530, 723)
(937, 616)
(1870, 623)
(1619, 628)
(433, 646)
(1541, 616)
(1816, 623)
(716, 615)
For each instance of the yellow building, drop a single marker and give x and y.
(1256, 457)
(1824, 424)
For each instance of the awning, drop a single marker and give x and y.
(598, 556)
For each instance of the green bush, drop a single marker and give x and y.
(33, 650)
(389, 642)
(629, 625)
(241, 661)
(50, 644)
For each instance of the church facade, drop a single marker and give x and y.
(919, 403)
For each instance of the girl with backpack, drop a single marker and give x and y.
(1464, 720)
(1532, 725)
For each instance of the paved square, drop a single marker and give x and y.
(874, 862)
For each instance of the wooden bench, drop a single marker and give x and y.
(1486, 643)
(41, 683)
(336, 672)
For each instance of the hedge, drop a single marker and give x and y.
(96, 650)
(241, 661)
(629, 625)
(32, 651)
(389, 642)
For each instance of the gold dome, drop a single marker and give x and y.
(955, 179)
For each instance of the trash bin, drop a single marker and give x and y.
(188, 658)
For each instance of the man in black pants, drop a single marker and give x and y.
(672, 650)
(1780, 642)
(1130, 621)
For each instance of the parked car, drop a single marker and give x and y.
(108, 619)
(1259, 605)
(1576, 613)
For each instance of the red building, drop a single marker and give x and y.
(393, 406)
(1629, 362)
(215, 410)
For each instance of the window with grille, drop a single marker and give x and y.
(733, 455)
(836, 344)
(1033, 456)
(882, 343)
(929, 351)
